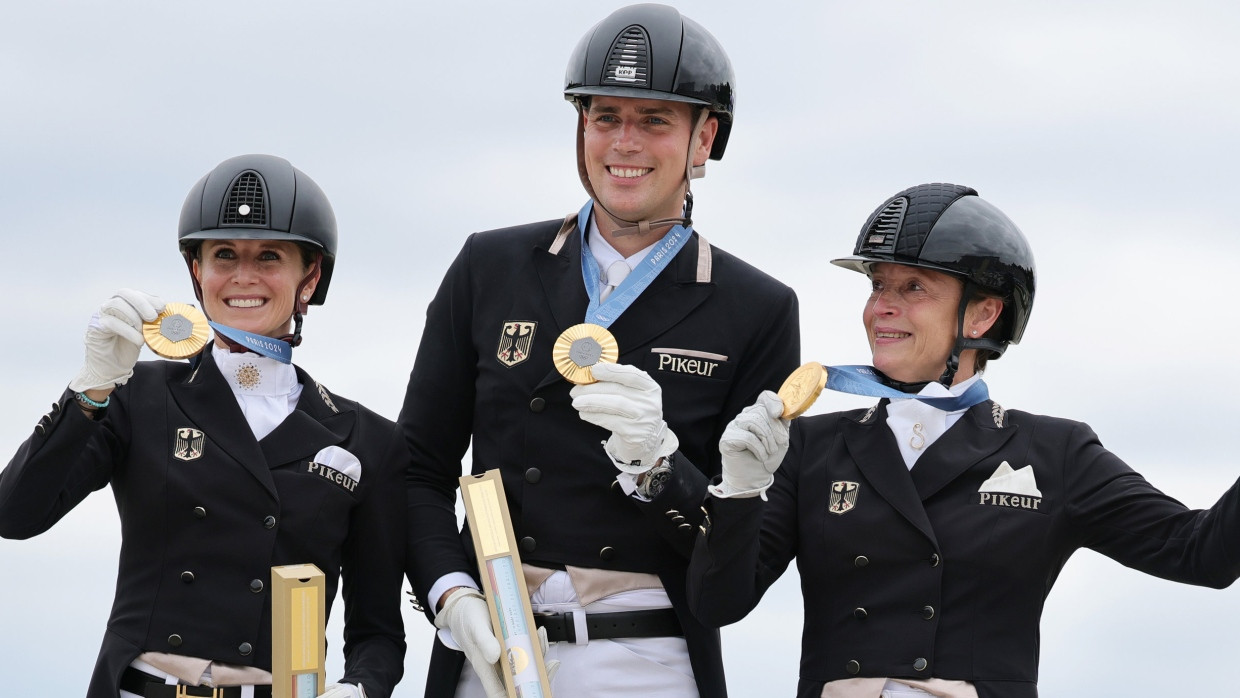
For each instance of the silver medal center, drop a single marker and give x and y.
(176, 328)
(585, 351)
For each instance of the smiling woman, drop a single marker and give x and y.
(229, 465)
(930, 527)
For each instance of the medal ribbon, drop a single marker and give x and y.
(277, 349)
(864, 380)
(661, 255)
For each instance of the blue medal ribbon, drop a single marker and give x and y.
(865, 380)
(642, 276)
(277, 349)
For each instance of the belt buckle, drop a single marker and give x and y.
(181, 692)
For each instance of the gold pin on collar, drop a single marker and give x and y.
(802, 388)
(179, 332)
(580, 347)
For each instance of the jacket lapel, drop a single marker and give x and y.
(209, 404)
(971, 439)
(674, 294)
(562, 284)
(315, 424)
(874, 451)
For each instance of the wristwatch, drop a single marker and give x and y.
(656, 478)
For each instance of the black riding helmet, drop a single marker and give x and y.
(949, 228)
(261, 197)
(653, 52)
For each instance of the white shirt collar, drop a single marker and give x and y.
(605, 254)
(916, 425)
(251, 374)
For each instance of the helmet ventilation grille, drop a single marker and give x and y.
(882, 233)
(628, 63)
(247, 202)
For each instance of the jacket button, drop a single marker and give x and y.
(200, 513)
(537, 404)
(528, 544)
(853, 667)
(920, 664)
(187, 576)
(269, 522)
(245, 649)
(860, 613)
(533, 475)
(607, 553)
(685, 527)
(927, 612)
(935, 560)
(678, 519)
(615, 485)
(174, 640)
(256, 585)
(671, 513)
(861, 561)
(39, 428)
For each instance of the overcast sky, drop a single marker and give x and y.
(1108, 132)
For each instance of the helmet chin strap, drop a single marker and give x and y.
(301, 307)
(627, 227)
(964, 343)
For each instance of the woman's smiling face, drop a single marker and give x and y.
(250, 284)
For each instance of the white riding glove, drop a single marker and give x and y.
(753, 445)
(470, 625)
(343, 690)
(466, 616)
(629, 403)
(114, 338)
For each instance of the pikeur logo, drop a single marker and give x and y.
(1011, 489)
(334, 475)
(689, 361)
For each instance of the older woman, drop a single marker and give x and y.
(227, 465)
(930, 527)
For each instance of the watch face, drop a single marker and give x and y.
(655, 481)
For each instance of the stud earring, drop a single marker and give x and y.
(974, 333)
(306, 298)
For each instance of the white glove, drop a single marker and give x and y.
(343, 690)
(753, 445)
(466, 616)
(629, 403)
(114, 338)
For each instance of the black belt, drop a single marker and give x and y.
(661, 622)
(143, 684)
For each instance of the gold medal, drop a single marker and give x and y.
(179, 332)
(580, 347)
(802, 388)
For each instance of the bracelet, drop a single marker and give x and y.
(81, 397)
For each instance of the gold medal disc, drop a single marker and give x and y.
(802, 388)
(580, 347)
(179, 332)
